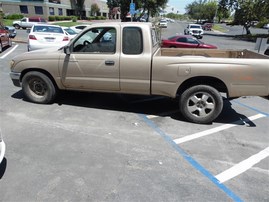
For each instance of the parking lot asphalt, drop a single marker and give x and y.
(114, 147)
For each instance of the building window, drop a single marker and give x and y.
(24, 9)
(55, 1)
(39, 10)
(60, 11)
(51, 11)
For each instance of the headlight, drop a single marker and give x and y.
(12, 64)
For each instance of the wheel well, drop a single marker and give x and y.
(203, 80)
(39, 70)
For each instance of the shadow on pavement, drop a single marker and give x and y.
(148, 105)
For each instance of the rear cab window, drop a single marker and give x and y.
(132, 41)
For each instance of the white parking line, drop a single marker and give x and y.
(217, 129)
(242, 166)
(3, 56)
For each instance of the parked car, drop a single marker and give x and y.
(46, 36)
(207, 26)
(12, 31)
(163, 23)
(79, 28)
(266, 26)
(2, 148)
(5, 41)
(194, 30)
(185, 41)
(70, 32)
(28, 22)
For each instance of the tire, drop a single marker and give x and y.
(201, 104)
(1, 47)
(266, 52)
(38, 88)
(17, 26)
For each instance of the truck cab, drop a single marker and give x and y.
(120, 56)
(27, 22)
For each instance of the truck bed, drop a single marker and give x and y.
(211, 53)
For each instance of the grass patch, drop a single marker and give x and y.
(219, 28)
(8, 22)
(66, 24)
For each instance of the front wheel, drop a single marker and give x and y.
(38, 87)
(201, 104)
(17, 26)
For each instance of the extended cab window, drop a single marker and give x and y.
(96, 40)
(132, 41)
(154, 37)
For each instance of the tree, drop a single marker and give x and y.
(247, 11)
(78, 6)
(151, 7)
(94, 9)
(202, 9)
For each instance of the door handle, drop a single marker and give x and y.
(109, 62)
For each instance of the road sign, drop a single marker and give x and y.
(132, 8)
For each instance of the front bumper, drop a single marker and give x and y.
(15, 77)
(2, 150)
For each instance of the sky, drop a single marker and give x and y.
(178, 5)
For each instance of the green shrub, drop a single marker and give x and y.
(262, 23)
(74, 19)
(51, 18)
(91, 18)
(14, 17)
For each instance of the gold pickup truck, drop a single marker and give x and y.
(127, 58)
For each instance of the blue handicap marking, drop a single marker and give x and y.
(132, 8)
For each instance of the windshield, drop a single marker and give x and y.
(40, 28)
(196, 26)
(172, 37)
(70, 31)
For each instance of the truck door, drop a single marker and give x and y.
(93, 62)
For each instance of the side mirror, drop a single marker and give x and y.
(67, 50)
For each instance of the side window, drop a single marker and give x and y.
(183, 40)
(154, 37)
(97, 40)
(132, 41)
(192, 41)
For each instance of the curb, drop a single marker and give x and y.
(19, 40)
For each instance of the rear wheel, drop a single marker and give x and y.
(201, 104)
(38, 88)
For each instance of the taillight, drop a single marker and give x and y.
(32, 37)
(66, 38)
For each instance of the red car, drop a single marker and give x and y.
(185, 41)
(4, 38)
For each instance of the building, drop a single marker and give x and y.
(46, 8)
